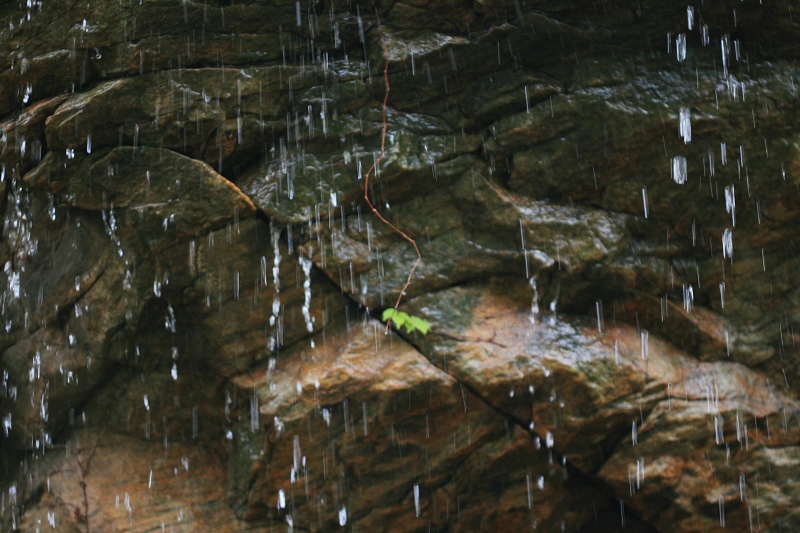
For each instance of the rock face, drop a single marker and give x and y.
(207, 206)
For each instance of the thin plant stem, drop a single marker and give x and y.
(375, 165)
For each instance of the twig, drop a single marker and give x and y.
(83, 471)
(375, 165)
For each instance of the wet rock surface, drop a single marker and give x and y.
(603, 198)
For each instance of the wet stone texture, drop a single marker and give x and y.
(207, 206)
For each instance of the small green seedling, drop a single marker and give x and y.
(401, 319)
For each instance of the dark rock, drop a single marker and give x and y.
(206, 205)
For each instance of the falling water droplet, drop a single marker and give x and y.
(685, 125)
(680, 46)
(679, 170)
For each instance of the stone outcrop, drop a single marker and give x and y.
(603, 198)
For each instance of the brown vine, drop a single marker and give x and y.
(80, 511)
(378, 161)
(83, 472)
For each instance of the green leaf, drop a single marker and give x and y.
(422, 325)
(401, 319)
(387, 313)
